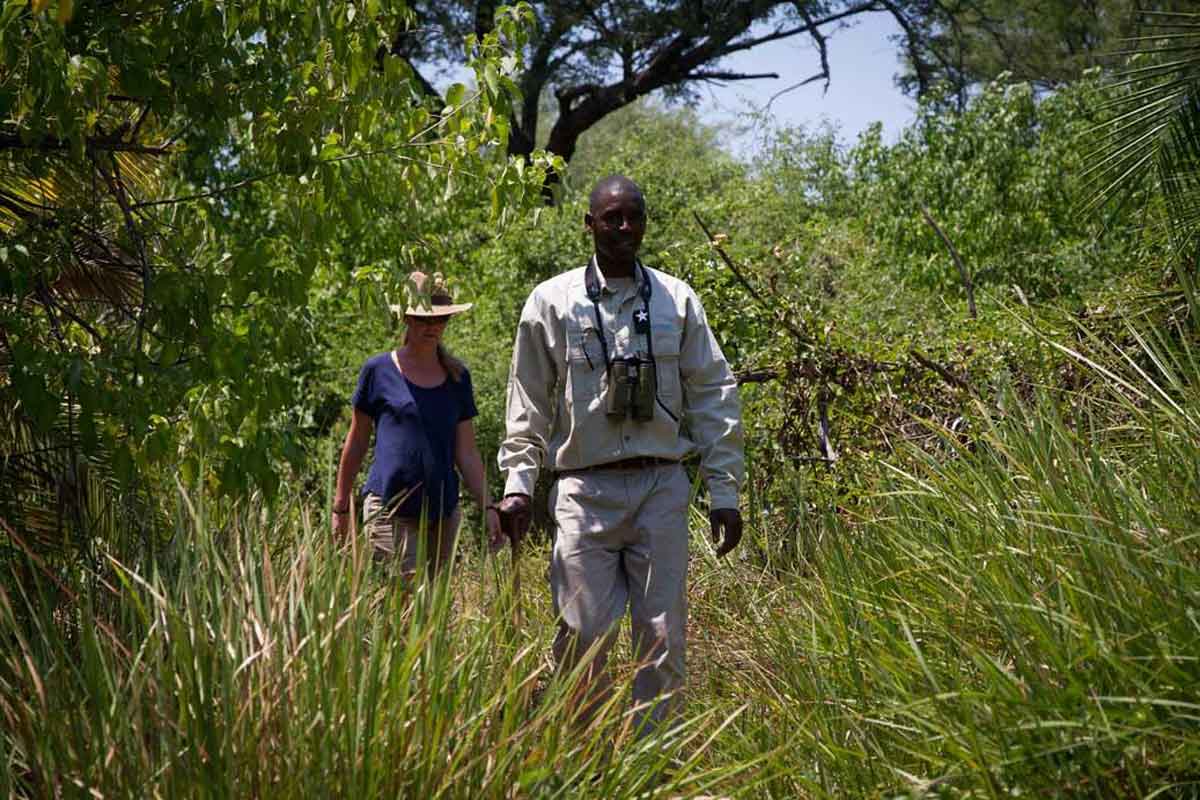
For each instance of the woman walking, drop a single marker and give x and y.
(419, 402)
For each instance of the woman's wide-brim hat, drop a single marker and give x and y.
(428, 296)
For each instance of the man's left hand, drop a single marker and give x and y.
(726, 528)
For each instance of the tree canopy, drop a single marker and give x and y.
(593, 58)
(177, 184)
(586, 59)
(1047, 43)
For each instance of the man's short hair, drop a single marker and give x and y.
(612, 184)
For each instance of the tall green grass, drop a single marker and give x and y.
(1019, 615)
(309, 672)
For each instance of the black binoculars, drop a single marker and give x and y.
(632, 387)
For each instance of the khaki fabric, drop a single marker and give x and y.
(397, 539)
(621, 541)
(556, 408)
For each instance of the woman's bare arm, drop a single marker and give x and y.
(358, 439)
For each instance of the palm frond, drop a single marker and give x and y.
(1150, 138)
(60, 500)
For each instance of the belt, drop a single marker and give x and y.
(637, 462)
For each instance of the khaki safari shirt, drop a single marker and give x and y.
(556, 390)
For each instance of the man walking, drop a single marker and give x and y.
(616, 378)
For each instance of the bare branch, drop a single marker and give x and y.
(911, 38)
(91, 144)
(787, 33)
(756, 376)
(737, 273)
(794, 86)
(822, 41)
(730, 76)
(946, 375)
(962, 269)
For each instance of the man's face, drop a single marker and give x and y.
(618, 223)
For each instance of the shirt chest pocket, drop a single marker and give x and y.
(666, 366)
(585, 366)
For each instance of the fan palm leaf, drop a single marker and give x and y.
(88, 283)
(1152, 136)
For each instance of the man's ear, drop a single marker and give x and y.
(587, 220)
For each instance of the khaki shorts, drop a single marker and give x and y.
(399, 540)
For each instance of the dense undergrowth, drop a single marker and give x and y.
(1016, 615)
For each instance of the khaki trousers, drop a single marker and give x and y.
(398, 539)
(621, 540)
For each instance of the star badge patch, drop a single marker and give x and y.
(641, 321)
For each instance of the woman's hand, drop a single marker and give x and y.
(341, 523)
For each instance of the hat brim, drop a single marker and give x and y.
(433, 311)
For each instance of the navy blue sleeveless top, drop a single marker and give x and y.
(414, 435)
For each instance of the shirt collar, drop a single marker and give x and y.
(639, 275)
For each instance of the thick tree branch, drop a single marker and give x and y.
(566, 97)
(427, 88)
(485, 17)
(542, 65)
(911, 42)
(681, 59)
(398, 50)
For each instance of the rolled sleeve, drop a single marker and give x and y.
(528, 415)
(712, 408)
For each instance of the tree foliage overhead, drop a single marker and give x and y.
(175, 181)
(596, 57)
(587, 58)
(1046, 43)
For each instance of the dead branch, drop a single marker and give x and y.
(91, 144)
(962, 269)
(756, 376)
(946, 375)
(782, 319)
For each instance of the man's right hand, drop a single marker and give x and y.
(515, 516)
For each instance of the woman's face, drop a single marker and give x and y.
(427, 330)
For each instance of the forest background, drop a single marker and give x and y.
(966, 360)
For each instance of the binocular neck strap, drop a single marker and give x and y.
(592, 285)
